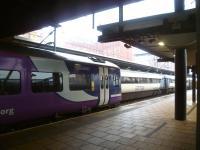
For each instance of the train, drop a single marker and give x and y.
(37, 84)
(138, 84)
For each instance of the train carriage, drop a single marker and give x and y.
(137, 84)
(36, 84)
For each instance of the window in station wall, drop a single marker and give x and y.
(147, 8)
(79, 29)
(190, 4)
(107, 16)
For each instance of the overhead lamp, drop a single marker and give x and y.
(161, 43)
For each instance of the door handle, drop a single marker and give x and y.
(106, 81)
(102, 82)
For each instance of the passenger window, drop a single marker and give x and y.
(139, 80)
(124, 80)
(154, 80)
(115, 80)
(144, 80)
(46, 82)
(9, 82)
(79, 82)
(134, 80)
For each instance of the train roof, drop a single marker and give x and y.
(130, 73)
(83, 59)
(44, 53)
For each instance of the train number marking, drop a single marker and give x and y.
(8, 111)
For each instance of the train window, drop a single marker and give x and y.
(9, 82)
(150, 80)
(123, 79)
(155, 80)
(132, 80)
(139, 80)
(115, 80)
(79, 82)
(46, 82)
(128, 79)
(135, 80)
(172, 81)
(142, 80)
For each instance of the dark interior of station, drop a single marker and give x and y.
(180, 31)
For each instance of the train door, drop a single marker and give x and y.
(104, 86)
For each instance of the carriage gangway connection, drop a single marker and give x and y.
(142, 125)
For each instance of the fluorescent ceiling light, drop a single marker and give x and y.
(161, 43)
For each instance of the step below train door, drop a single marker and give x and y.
(104, 86)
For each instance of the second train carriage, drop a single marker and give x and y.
(136, 84)
(39, 84)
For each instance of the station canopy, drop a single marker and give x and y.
(21, 16)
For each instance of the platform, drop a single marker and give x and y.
(146, 125)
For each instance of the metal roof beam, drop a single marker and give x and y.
(167, 26)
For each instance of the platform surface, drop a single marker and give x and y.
(147, 125)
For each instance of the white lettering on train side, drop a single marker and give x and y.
(8, 111)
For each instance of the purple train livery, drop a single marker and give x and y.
(36, 84)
